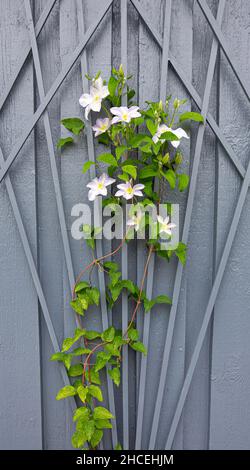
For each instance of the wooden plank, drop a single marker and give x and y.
(200, 246)
(20, 388)
(50, 246)
(229, 421)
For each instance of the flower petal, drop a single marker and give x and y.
(138, 186)
(96, 106)
(92, 195)
(116, 119)
(137, 193)
(119, 193)
(85, 99)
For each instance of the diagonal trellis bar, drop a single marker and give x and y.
(149, 289)
(125, 375)
(52, 157)
(187, 222)
(34, 274)
(25, 54)
(91, 152)
(60, 78)
(217, 32)
(191, 90)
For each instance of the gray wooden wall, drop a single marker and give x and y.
(215, 414)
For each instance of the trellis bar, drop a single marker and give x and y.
(187, 222)
(99, 251)
(149, 289)
(75, 56)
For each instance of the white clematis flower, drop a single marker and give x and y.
(93, 100)
(164, 128)
(101, 126)
(128, 191)
(136, 220)
(99, 186)
(165, 226)
(124, 114)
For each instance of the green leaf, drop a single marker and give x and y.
(95, 392)
(77, 306)
(84, 299)
(107, 158)
(91, 334)
(80, 351)
(171, 178)
(81, 413)
(161, 299)
(151, 126)
(138, 346)
(169, 136)
(82, 392)
(62, 142)
(74, 125)
(192, 116)
(131, 170)
(111, 266)
(94, 376)
(65, 392)
(115, 375)
(67, 343)
(118, 446)
(87, 427)
(114, 277)
(119, 151)
(102, 413)
(87, 166)
(183, 181)
(137, 140)
(181, 253)
(81, 286)
(78, 439)
(112, 85)
(133, 334)
(75, 370)
(57, 356)
(94, 295)
(101, 360)
(103, 424)
(108, 335)
(148, 172)
(96, 438)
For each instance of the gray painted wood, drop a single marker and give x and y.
(215, 397)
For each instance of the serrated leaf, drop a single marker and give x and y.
(94, 295)
(74, 125)
(62, 142)
(115, 375)
(57, 356)
(133, 334)
(95, 392)
(138, 346)
(80, 351)
(192, 116)
(108, 158)
(87, 427)
(87, 166)
(93, 376)
(111, 266)
(91, 334)
(84, 300)
(102, 413)
(65, 392)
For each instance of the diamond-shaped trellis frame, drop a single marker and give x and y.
(167, 57)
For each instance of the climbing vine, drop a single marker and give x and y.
(143, 153)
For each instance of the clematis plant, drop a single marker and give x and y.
(141, 160)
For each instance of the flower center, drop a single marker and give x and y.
(100, 185)
(125, 116)
(129, 190)
(97, 98)
(103, 127)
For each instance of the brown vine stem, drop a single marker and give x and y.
(86, 363)
(141, 289)
(97, 261)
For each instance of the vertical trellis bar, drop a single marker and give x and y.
(187, 221)
(91, 153)
(125, 384)
(149, 289)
